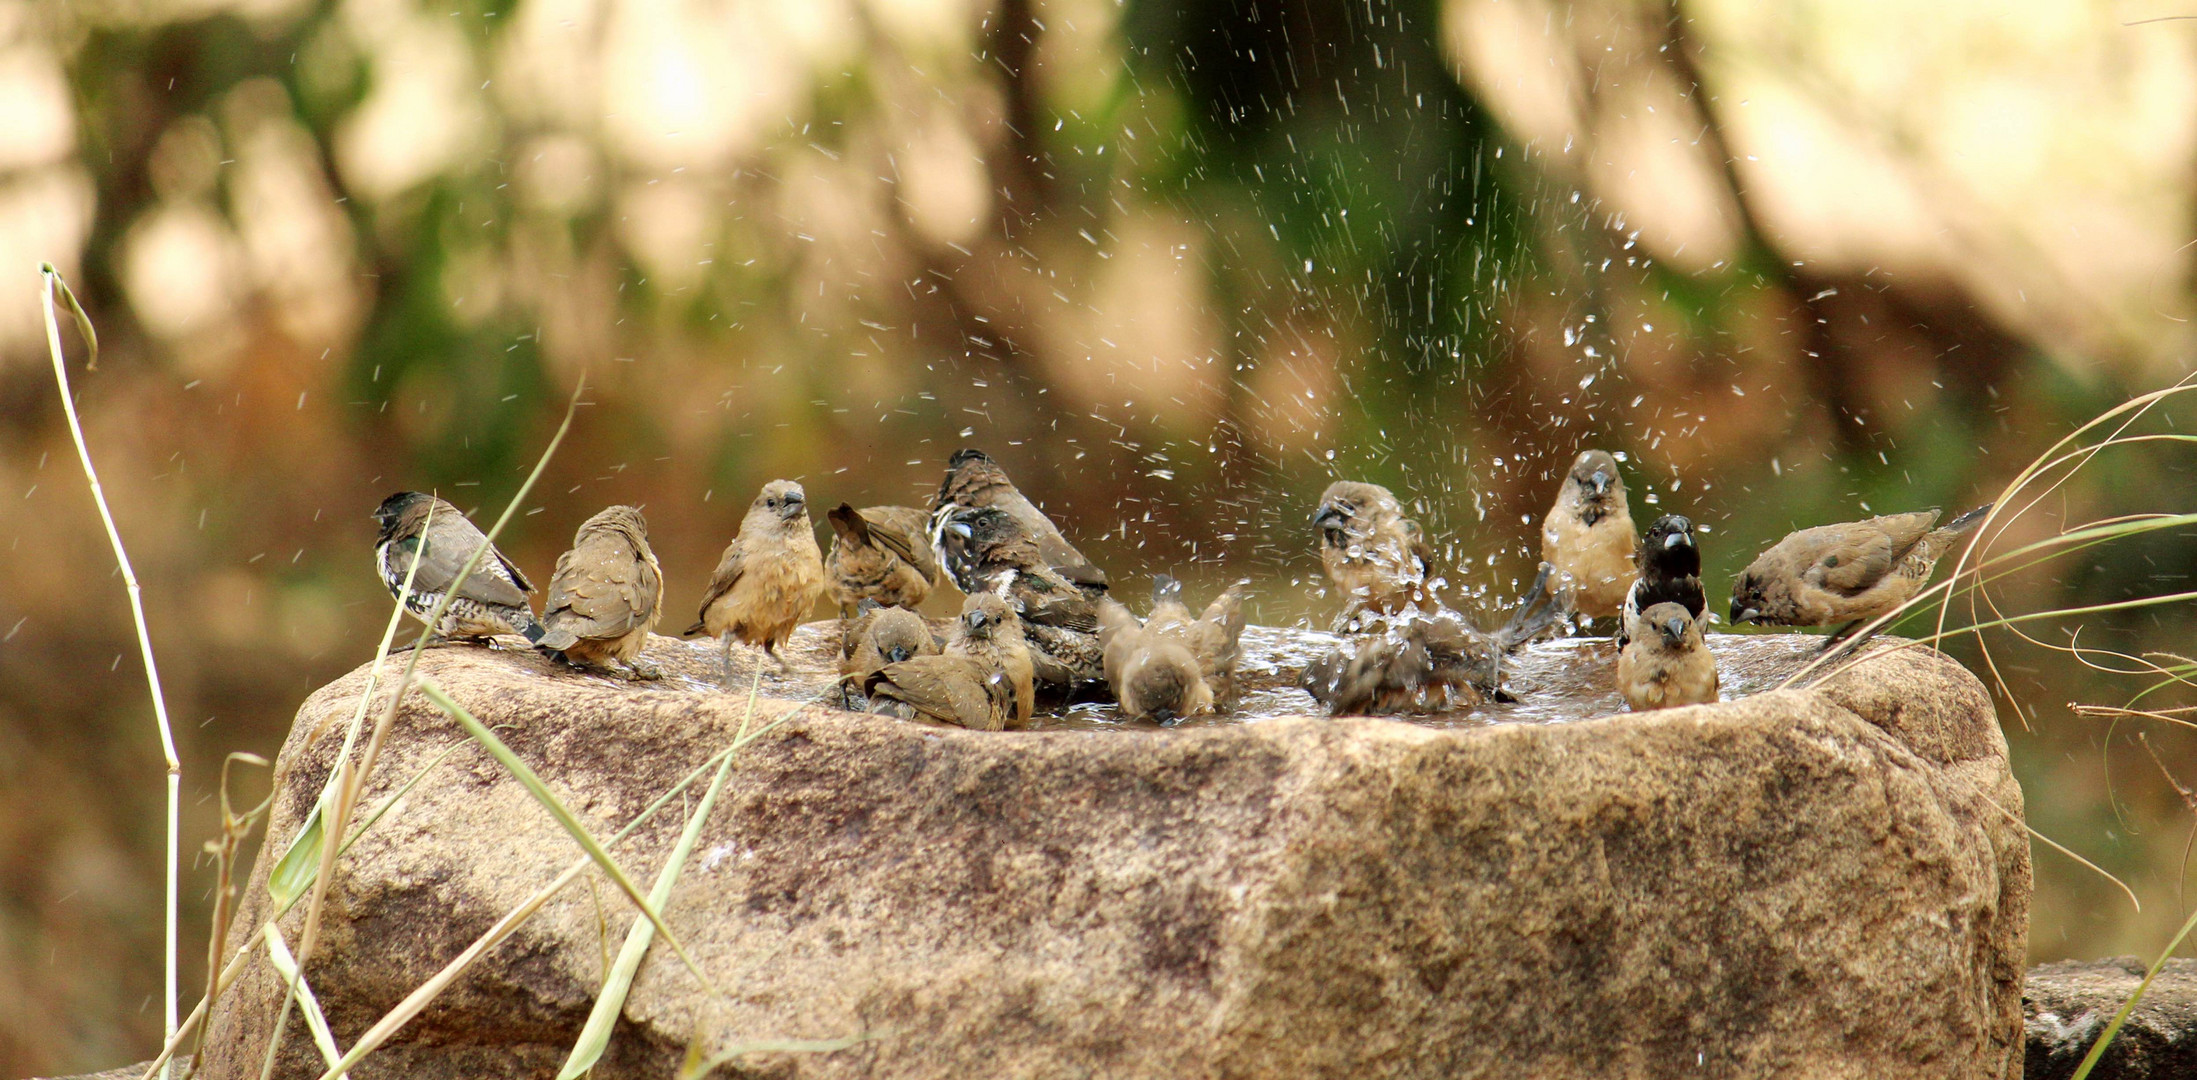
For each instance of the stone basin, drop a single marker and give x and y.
(1820, 882)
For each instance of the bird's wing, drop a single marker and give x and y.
(729, 569)
(451, 541)
(1853, 558)
(605, 585)
(948, 688)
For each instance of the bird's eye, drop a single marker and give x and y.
(1830, 560)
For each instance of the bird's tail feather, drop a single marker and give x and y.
(1536, 612)
(1964, 522)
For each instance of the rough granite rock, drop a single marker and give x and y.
(1822, 883)
(2068, 1004)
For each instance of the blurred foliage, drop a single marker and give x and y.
(1179, 265)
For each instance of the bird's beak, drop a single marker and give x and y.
(897, 653)
(960, 529)
(1600, 481)
(975, 620)
(1674, 629)
(1678, 539)
(792, 508)
(1329, 516)
(1744, 615)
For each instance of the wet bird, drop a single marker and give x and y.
(1665, 663)
(1170, 665)
(879, 553)
(1587, 538)
(491, 600)
(883, 635)
(974, 481)
(981, 681)
(987, 550)
(1848, 573)
(768, 579)
(606, 595)
(1377, 557)
(1426, 663)
(1670, 572)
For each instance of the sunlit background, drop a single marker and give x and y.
(1178, 265)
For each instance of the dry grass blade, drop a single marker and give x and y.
(420, 998)
(298, 875)
(299, 865)
(278, 953)
(234, 829)
(565, 817)
(610, 1003)
(52, 279)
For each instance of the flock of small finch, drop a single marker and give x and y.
(1038, 616)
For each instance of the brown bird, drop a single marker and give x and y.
(1664, 662)
(1426, 663)
(980, 682)
(768, 579)
(987, 550)
(491, 600)
(974, 481)
(1588, 538)
(1170, 665)
(881, 636)
(880, 553)
(606, 595)
(1377, 557)
(1847, 573)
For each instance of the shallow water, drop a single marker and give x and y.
(1555, 681)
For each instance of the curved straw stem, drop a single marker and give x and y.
(137, 611)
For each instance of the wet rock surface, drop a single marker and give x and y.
(1813, 882)
(2067, 1006)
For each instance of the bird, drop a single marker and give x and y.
(491, 600)
(987, 550)
(1588, 538)
(883, 635)
(1670, 572)
(606, 595)
(879, 553)
(1422, 662)
(982, 681)
(974, 481)
(768, 579)
(1665, 663)
(1170, 665)
(1848, 573)
(1376, 556)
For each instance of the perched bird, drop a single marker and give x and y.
(768, 579)
(1670, 572)
(1170, 665)
(974, 481)
(1665, 662)
(981, 681)
(987, 550)
(1847, 573)
(606, 595)
(1426, 663)
(1587, 538)
(883, 635)
(879, 553)
(491, 600)
(1375, 555)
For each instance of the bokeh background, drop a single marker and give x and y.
(1177, 264)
